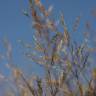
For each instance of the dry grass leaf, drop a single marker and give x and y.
(37, 2)
(24, 92)
(39, 48)
(39, 86)
(94, 73)
(50, 9)
(76, 24)
(68, 63)
(38, 26)
(8, 46)
(80, 88)
(48, 12)
(16, 73)
(34, 15)
(46, 58)
(66, 37)
(51, 81)
(42, 8)
(62, 78)
(56, 57)
(50, 24)
(59, 46)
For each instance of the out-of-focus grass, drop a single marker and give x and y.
(65, 62)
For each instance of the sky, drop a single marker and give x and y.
(14, 25)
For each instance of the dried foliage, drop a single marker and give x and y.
(65, 62)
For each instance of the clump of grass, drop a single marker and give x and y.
(65, 62)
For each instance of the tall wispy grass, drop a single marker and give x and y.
(66, 62)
